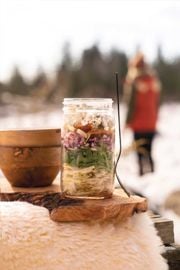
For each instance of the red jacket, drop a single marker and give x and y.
(143, 103)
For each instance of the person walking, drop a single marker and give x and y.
(141, 94)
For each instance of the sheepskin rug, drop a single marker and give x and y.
(31, 241)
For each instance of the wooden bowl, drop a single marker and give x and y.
(30, 158)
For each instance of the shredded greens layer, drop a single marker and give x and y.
(99, 157)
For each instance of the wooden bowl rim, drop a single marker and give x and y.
(30, 137)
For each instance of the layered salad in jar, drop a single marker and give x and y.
(88, 151)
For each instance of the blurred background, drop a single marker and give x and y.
(52, 49)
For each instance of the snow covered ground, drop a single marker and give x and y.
(166, 151)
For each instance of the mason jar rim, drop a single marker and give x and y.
(88, 100)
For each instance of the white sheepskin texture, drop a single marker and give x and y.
(30, 240)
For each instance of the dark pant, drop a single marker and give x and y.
(144, 151)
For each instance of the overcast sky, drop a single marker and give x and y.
(32, 32)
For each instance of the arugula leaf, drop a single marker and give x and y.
(85, 157)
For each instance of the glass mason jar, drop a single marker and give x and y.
(88, 148)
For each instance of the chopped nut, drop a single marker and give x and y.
(82, 133)
(70, 128)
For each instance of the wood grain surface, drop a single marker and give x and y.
(70, 209)
(119, 206)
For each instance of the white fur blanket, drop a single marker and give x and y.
(31, 241)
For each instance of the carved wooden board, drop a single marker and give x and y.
(119, 206)
(64, 209)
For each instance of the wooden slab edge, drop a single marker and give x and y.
(104, 210)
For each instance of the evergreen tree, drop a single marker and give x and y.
(17, 85)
